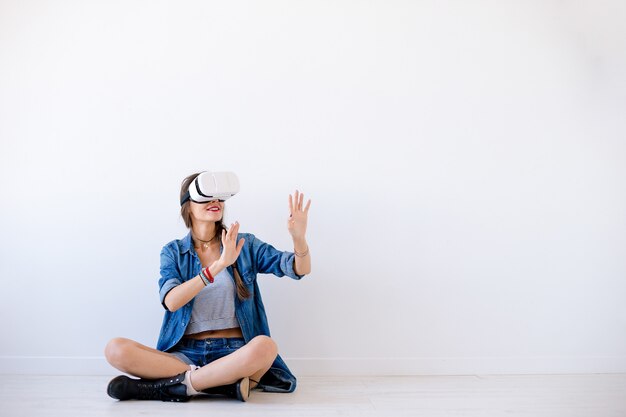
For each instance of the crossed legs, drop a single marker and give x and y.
(251, 360)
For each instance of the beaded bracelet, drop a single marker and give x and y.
(204, 279)
(207, 274)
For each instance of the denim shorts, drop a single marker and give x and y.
(202, 352)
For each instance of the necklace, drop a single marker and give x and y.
(205, 243)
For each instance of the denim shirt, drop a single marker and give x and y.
(180, 263)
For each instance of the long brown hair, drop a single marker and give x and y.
(185, 213)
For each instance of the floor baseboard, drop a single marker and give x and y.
(97, 365)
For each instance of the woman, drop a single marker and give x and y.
(215, 335)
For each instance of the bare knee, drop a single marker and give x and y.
(265, 348)
(117, 352)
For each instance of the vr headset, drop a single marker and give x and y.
(210, 186)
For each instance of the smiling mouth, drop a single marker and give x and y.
(214, 209)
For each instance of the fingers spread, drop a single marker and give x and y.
(297, 202)
(233, 231)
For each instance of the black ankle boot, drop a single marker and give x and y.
(239, 390)
(164, 389)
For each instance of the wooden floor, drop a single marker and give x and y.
(488, 396)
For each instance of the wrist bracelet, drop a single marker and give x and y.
(305, 253)
(208, 275)
(203, 278)
(206, 279)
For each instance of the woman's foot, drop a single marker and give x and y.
(164, 389)
(239, 390)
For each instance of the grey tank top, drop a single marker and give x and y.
(214, 306)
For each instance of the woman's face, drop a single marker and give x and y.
(207, 212)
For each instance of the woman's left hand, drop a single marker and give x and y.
(298, 216)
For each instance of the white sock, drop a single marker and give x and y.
(187, 382)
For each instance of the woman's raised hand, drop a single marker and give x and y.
(296, 224)
(232, 248)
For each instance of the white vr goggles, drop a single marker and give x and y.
(210, 186)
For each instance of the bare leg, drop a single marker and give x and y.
(142, 361)
(251, 360)
(256, 377)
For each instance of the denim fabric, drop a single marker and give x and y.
(202, 352)
(180, 263)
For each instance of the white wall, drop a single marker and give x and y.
(465, 162)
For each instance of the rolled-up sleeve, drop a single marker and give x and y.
(170, 276)
(286, 265)
(270, 260)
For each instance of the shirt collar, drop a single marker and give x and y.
(186, 244)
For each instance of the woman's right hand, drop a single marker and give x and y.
(232, 248)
